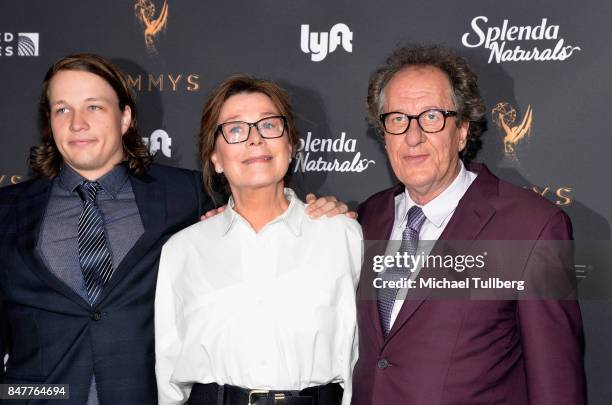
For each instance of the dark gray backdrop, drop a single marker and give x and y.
(564, 155)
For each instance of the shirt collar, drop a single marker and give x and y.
(440, 208)
(292, 217)
(111, 182)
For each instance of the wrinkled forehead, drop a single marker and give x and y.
(250, 104)
(422, 85)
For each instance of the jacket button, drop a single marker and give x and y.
(383, 363)
(96, 316)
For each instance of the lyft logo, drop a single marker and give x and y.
(319, 44)
(159, 141)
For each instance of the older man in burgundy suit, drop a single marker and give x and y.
(416, 350)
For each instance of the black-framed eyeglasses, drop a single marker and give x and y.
(430, 121)
(239, 131)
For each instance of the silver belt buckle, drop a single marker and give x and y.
(278, 398)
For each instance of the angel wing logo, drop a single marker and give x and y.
(504, 116)
(145, 12)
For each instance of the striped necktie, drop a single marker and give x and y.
(94, 254)
(410, 241)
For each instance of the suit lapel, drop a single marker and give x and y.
(31, 210)
(470, 217)
(377, 230)
(474, 210)
(379, 220)
(368, 293)
(151, 202)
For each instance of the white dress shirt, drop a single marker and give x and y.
(438, 213)
(268, 310)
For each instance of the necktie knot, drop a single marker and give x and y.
(88, 190)
(416, 218)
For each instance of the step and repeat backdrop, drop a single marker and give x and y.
(545, 73)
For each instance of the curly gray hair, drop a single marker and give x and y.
(464, 82)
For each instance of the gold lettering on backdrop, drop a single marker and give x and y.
(6, 179)
(562, 194)
(135, 83)
(542, 192)
(194, 83)
(153, 82)
(175, 81)
(504, 116)
(156, 81)
(559, 196)
(145, 12)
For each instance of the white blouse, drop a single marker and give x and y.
(268, 310)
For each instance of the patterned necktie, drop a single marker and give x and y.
(410, 240)
(94, 254)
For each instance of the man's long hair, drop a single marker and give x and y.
(45, 159)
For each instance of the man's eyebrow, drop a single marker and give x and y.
(98, 99)
(89, 99)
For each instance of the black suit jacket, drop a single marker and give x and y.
(54, 336)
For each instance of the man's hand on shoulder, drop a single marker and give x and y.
(328, 206)
(213, 212)
(317, 207)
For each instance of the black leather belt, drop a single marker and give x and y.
(215, 394)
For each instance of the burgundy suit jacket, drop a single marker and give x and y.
(470, 352)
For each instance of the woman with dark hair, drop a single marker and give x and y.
(257, 304)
